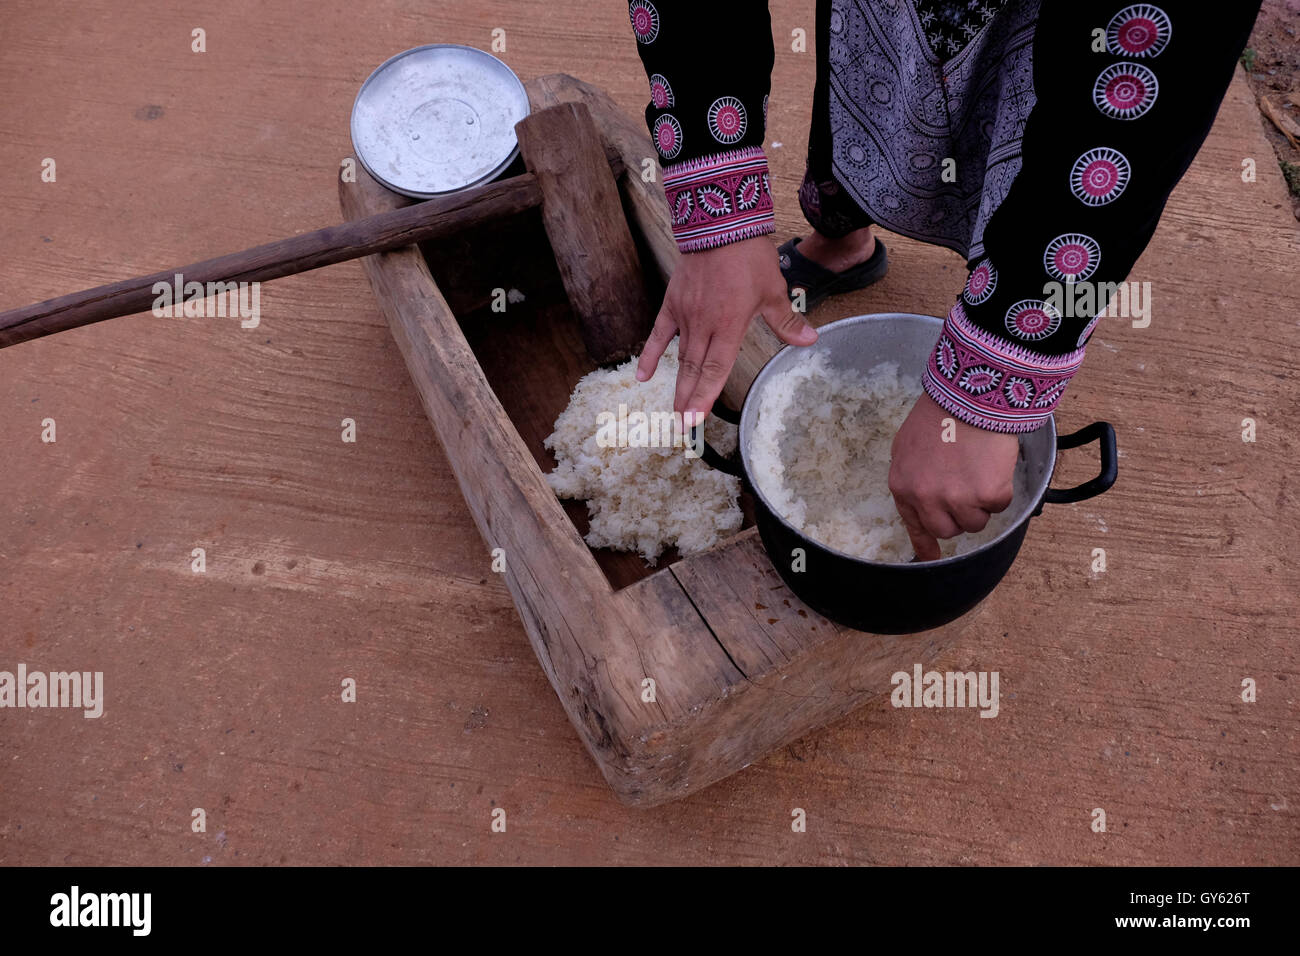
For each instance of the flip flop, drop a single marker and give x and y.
(818, 282)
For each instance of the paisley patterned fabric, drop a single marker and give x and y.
(899, 112)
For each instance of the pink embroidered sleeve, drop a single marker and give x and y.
(1113, 128)
(719, 199)
(709, 72)
(990, 382)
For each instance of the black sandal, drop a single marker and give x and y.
(818, 282)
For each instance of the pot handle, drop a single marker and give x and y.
(725, 413)
(710, 454)
(1104, 434)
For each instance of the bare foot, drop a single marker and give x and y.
(839, 254)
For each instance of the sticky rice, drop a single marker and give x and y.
(641, 497)
(820, 454)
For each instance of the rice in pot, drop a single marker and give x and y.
(820, 455)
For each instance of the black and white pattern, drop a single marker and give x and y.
(951, 24)
(898, 111)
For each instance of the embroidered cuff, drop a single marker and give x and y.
(719, 199)
(992, 383)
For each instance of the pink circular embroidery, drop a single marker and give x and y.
(1099, 176)
(727, 119)
(1032, 319)
(1125, 91)
(668, 136)
(645, 20)
(1071, 257)
(981, 283)
(1141, 30)
(661, 94)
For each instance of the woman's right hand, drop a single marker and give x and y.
(945, 484)
(712, 297)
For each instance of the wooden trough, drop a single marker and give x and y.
(739, 665)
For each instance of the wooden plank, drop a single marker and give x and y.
(774, 637)
(801, 670)
(647, 207)
(589, 235)
(680, 749)
(758, 619)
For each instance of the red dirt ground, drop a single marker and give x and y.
(325, 560)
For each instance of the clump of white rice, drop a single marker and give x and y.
(820, 454)
(640, 497)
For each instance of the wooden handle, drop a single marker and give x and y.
(393, 229)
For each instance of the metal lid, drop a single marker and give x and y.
(437, 119)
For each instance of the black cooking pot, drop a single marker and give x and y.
(885, 598)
